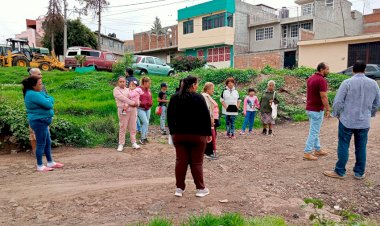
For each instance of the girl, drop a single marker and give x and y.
(144, 109)
(127, 112)
(231, 103)
(251, 104)
(266, 110)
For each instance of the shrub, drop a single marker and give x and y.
(119, 67)
(335, 80)
(278, 79)
(187, 63)
(65, 132)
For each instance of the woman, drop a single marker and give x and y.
(39, 107)
(266, 110)
(190, 126)
(213, 108)
(231, 103)
(127, 113)
(144, 109)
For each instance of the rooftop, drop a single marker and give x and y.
(206, 8)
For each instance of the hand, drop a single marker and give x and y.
(270, 101)
(327, 114)
(209, 139)
(244, 113)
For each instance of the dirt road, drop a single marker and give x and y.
(258, 175)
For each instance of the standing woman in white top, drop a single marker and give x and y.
(231, 103)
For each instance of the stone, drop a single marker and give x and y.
(296, 216)
(13, 152)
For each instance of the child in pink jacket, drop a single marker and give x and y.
(127, 102)
(251, 104)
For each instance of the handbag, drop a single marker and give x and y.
(158, 110)
(274, 107)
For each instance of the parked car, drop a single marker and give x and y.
(209, 66)
(100, 59)
(371, 71)
(151, 65)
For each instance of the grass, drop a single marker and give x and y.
(228, 219)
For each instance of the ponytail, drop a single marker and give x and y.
(186, 85)
(29, 83)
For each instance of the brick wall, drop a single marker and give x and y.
(147, 40)
(372, 22)
(259, 60)
(306, 35)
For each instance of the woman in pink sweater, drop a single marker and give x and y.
(251, 104)
(126, 111)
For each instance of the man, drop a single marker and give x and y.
(316, 103)
(357, 100)
(130, 77)
(32, 137)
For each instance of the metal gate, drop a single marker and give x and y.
(369, 52)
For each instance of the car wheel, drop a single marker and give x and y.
(143, 72)
(171, 73)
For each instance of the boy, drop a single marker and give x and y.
(162, 101)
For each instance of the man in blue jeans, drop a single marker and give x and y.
(317, 107)
(357, 100)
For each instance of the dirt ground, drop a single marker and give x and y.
(258, 175)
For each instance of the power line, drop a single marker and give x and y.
(117, 6)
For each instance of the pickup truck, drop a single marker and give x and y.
(99, 59)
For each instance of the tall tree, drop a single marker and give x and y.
(54, 20)
(96, 7)
(78, 34)
(157, 27)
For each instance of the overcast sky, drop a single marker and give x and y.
(126, 20)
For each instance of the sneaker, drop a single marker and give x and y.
(358, 176)
(55, 165)
(44, 169)
(211, 157)
(163, 132)
(202, 192)
(135, 146)
(242, 133)
(270, 133)
(333, 174)
(320, 153)
(233, 137)
(120, 147)
(142, 142)
(309, 157)
(179, 192)
(264, 132)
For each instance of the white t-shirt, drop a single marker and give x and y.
(230, 97)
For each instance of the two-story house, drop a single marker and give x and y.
(274, 33)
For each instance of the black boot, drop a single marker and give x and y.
(264, 131)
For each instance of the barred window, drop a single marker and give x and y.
(264, 33)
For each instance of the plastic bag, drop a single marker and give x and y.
(158, 110)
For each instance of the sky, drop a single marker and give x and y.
(136, 16)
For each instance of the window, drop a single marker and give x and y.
(214, 21)
(159, 61)
(370, 69)
(90, 53)
(72, 53)
(294, 30)
(111, 44)
(264, 33)
(329, 3)
(149, 60)
(306, 26)
(218, 54)
(307, 9)
(188, 27)
(284, 31)
(230, 20)
(109, 57)
(201, 54)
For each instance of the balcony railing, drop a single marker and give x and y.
(289, 43)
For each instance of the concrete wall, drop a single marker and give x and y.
(259, 60)
(241, 22)
(200, 38)
(112, 45)
(266, 44)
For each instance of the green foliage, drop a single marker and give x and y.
(334, 80)
(268, 70)
(187, 63)
(80, 59)
(78, 34)
(278, 79)
(267, 221)
(67, 133)
(119, 67)
(317, 203)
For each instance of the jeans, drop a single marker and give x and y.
(163, 118)
(313, 141)
(249, 120)
(41, 129)
(361, 138)
(138, 125)
(230, 124)
(144, 116)
(189, 151)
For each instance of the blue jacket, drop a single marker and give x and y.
(38, 105)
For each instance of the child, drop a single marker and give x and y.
(251, 104)
(127, 101)
(134, 91)
(162, 101)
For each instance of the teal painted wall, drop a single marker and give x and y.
(206, 8)
(193, 52)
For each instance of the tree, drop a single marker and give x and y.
(78, 34)
(157, 27)
(54, 20)
(96, 7)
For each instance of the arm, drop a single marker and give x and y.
(245, 106)
(257, 104)
(339, 99)
(376, 103)
(118, 95)
(325, 102)
(222, 101)
(41, 100)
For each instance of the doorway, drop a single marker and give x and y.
(290, 59)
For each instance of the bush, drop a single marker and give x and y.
(187, 63)
(119, 67)
(278, 79)
(65, 132)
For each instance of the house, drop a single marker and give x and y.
(162, 44)
(372, 22)
(214, 30)
(129, 46)
(340, 53)
(111, 44)
(274, 34)
(34, 31)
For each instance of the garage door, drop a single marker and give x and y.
(369, 52)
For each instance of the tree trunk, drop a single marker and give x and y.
(99, 22)
(52, 42)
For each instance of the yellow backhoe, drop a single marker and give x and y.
(18, 53)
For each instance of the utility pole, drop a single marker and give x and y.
(64, 27)
(99, 12)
